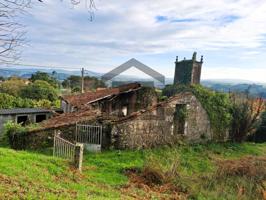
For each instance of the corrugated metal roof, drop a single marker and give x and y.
(15, 111)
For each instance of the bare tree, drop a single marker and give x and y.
(12, 32)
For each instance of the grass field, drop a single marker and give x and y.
(31, 175)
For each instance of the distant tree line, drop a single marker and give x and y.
(90, 83)
(41, 89)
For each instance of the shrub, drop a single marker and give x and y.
(14, 135)
(260, 134)
(245, 112)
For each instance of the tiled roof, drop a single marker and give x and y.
(15, 111)
(68, 119)
(89, 97)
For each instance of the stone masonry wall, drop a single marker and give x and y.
(156, 127)
(44, 138)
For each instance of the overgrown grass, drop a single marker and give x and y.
(31, 175)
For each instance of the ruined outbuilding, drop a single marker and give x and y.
(119, 101)
(181, 117)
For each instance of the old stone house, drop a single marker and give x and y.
(181, 117)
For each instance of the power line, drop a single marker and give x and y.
(38, 66)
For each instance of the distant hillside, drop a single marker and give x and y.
(257, 90)
(224, 85)
(26, 73)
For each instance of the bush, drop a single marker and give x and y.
(245, 112)
(14, 134)
(260, 134)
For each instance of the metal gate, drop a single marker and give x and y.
(90, 136)
(63, 148)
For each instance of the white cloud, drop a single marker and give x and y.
(60, 35)
(256, 75)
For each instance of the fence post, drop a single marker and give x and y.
(78, 156)
(55, 134)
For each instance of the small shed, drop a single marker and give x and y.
(23, 116)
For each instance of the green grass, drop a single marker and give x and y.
(34, 175)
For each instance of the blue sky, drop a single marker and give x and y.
(231, 34)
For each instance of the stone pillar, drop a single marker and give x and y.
(78, 157)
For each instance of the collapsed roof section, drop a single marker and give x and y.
(89, 97)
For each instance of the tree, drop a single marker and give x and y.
(12, 32)
(13, 86)
(7, 101)
(39, 90)
(44, 77)
(90, 83)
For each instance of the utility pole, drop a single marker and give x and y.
(82, 80)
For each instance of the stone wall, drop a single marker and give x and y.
(39, 139)
(158, 126)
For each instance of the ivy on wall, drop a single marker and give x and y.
(216, 104)
(145, 97)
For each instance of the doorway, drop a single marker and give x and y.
(180, 116)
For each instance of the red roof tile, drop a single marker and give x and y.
(67, 119)
(88, 97)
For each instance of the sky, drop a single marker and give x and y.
(230, 34)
